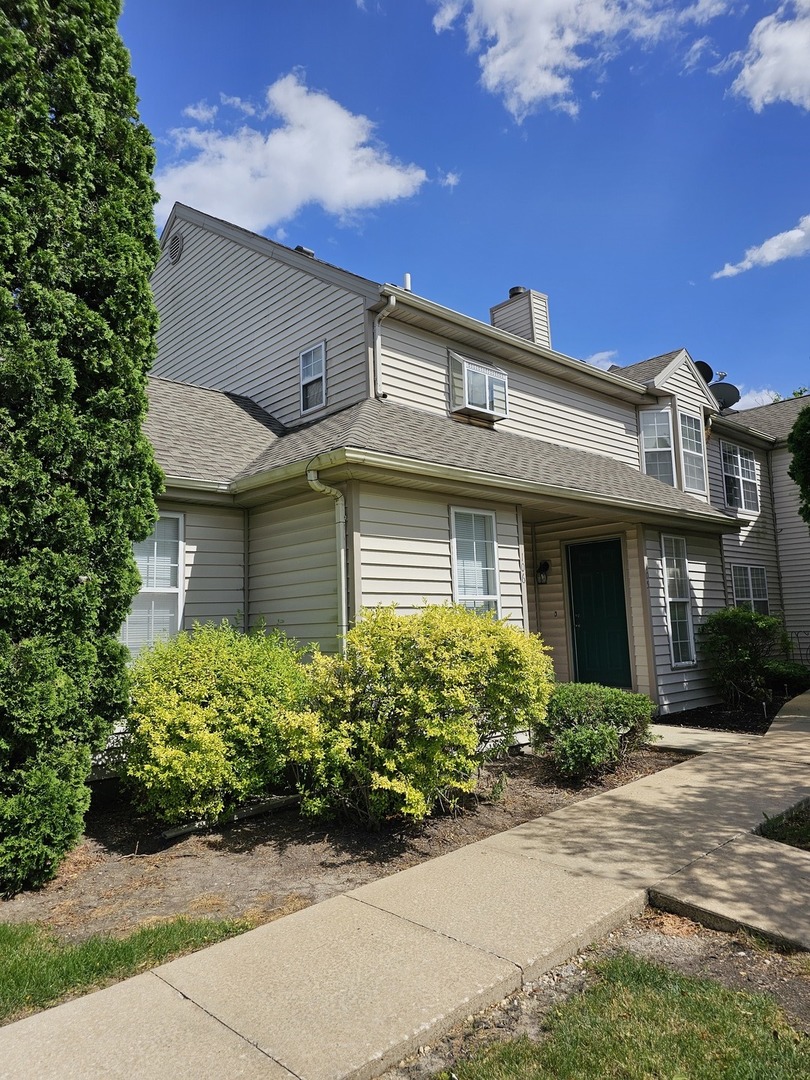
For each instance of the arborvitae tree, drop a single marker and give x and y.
(77, 478)
(799, 469)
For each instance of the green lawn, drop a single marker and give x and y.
(37, 969)
(792, 827)
(642, 1022)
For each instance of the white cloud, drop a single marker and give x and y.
(202, 112)
(449, 179)
(530, 50)
(776, 65)
(603, 360)
(785, 245)
(695, 53)
(246, 107)
(319, 153)
(752, 398)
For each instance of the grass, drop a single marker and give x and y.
(37, 969)
(792, 827)
(643, 1022)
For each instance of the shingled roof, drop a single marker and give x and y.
(209, 435)
(646, 370)
(776, 419)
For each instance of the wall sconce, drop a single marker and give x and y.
(541, 574)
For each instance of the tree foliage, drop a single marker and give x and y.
(77, 477)
(799, 470)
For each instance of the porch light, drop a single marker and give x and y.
(541, 574)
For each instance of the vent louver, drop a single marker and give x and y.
(175, 248)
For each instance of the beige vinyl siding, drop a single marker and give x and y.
(293, 569)
(684, 687)
(689, 389)
(214, 563)
(414, 371)
(405, 550)
(794, 555)
(549, 605)
(234, 319)
(755, 543)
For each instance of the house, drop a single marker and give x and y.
(331, 443)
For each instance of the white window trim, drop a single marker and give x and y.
(678, 600)
(180, 589)
(692, 490)
(667, 411)
(738, 450)
(743, 601)
(488, 370)
(495, 597)
(313, 379)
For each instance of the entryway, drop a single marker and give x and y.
(598, 613)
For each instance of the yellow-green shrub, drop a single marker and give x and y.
(402, 722)
(202, 731)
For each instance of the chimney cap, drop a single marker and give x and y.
(517, 290)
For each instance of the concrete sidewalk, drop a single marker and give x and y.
(352, 985)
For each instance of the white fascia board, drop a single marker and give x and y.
(373, 459)
(584, 372)
(684, 358)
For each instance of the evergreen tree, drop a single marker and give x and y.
(77, 478)
(799, 470)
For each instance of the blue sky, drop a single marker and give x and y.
(646, 164)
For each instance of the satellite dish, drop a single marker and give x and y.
(726, 394)
(705, 371)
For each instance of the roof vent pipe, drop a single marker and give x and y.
(406, 283)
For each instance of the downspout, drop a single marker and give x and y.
(377, 363)
(340, 535)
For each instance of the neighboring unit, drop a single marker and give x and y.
(331, 444)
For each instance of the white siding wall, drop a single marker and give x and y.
(794, 554)
(405, 550)
(415, 372)
(214, 573)
(293, 569)
(549, 603)
(683, 687)
(233, 319)
(755, 543)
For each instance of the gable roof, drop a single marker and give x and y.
(209, 436)
(776, 419)
(646, 370)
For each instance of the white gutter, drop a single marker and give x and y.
(377, 347)
(340, 535)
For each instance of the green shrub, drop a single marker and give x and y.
(786, 677)
(401, 723)
(736, 643)
(202, 732)
(589, 704)
(585, 750)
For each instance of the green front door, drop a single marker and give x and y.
(598, 613)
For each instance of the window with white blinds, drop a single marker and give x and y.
(475, 560)
(157, 609)
(692, 456)
(656, 444)
(679, 603)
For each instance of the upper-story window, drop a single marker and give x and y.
(475, 559)
(740, 477)
(157, 610)
(313, 377)
(692, 455)
(656, 444)
(477, 389)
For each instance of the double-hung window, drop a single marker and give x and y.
(750, 588)
(692, 455)
(656, 444)
(313, 377)
(478, 389)
(679, 605)
(157, 610)
(475, 560)
(740, 477)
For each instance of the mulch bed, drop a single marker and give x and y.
(750, 718)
